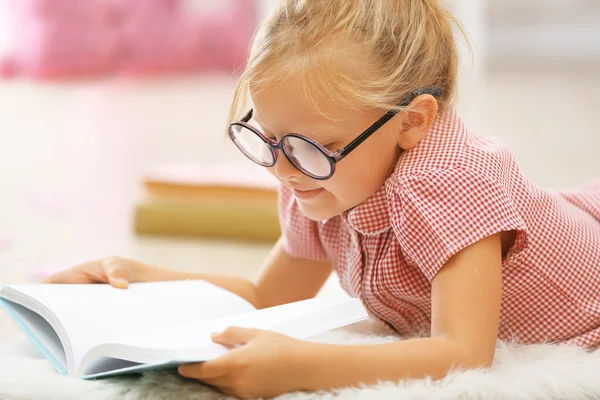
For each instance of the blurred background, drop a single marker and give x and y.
(112, 117)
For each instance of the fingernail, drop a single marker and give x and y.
(120, 282)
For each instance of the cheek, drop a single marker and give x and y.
(359, 175)
(351, 183)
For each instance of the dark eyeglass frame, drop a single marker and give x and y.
(332, 156)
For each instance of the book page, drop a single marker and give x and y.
(300, 320)
(39, 332)
(191, 342)
(97, 313)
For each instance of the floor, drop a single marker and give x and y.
(72, 156)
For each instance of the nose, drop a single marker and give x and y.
(284, 170)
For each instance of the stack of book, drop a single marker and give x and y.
(221, 202)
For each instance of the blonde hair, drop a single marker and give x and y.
(358, 53)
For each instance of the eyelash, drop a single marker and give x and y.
(327, 146)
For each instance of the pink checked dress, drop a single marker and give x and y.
(450, 191)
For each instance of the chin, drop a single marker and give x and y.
(317, 212)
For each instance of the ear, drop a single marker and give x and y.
(417, 121)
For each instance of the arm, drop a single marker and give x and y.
(282, 279)
(466, 296)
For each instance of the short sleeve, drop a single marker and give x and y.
(438, 213)
(300, 235)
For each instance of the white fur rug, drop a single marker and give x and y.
(528, 372)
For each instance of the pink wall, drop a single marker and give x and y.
(61, 39)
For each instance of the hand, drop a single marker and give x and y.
(117, 271)
(264, 365)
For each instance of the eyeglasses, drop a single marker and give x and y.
(306, 155)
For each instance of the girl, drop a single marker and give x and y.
(432, 227)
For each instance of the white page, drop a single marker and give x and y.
(95, 314)
(43, 332)
(301, 319)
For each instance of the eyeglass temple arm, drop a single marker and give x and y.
(434, 91)
(248, 116)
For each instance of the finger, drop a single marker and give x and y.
(228, 391)
(201, 371)
(71, 275)
(234, 335)
(218, 383)
(60, 277)
(116, 272)
(54, 278)
(205, 370)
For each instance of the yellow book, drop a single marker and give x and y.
(213, 202)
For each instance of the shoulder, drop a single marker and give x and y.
(451, 154)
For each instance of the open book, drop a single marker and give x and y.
(93, 331)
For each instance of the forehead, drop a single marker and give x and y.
(284, 108)
(278, 104)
